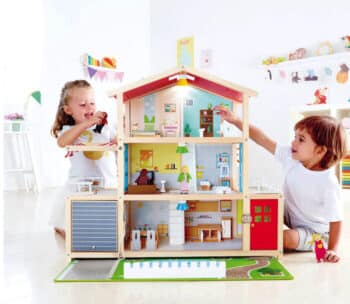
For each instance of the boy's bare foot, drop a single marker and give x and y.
(61, 232)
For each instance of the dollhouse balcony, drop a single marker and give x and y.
(92, 147)
(169, 196)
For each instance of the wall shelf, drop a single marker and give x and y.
(309, 61)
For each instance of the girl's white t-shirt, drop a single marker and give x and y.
(97, 163)
(312, 198)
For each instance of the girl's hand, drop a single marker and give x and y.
(331, 256)
(97, 118)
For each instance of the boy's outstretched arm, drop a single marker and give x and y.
(334, 237)
(255, 133)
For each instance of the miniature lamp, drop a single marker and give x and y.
(182, 79)
(182, 206)
(181, 148)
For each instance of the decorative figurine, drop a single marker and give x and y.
(346, 41)
(295, 77)
(297, 54)
(320, 96)
(342, 75)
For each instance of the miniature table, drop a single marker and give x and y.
(209, 232)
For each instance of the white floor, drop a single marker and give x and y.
(33, 256)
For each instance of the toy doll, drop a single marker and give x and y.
(320, 250)
(99, 127)
(184, 179)
(143, 178)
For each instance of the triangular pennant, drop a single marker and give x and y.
(119, 76)
(91, 72)
(37, 96)
(101, 75)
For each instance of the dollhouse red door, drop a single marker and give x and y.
(263, 226)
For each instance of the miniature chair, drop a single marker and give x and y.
(162, 230)
(152, 240)
(135, 240)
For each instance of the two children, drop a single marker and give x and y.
(75, 123)
(311, 189)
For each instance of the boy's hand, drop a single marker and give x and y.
(225, 113)
(331, 256)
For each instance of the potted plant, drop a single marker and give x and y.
(187, 130)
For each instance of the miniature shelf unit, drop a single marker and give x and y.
(159, 129)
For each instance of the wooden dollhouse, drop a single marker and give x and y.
(167, 130)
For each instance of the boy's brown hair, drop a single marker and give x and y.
(328, 132)
(62, 118)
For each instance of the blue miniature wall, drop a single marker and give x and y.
(196, 100)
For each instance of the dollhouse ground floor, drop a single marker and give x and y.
(99, 226)
(33, 256)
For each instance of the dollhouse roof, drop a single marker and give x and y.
(195, 78)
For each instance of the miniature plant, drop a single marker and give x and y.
(187, 130)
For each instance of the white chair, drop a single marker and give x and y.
(135, 240)
(151, 241)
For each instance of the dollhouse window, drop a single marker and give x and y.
(189, 102)
(257, 209)
(267, 219)
(267, 209)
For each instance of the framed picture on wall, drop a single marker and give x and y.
(146, 159)
(225, 206)
(170, 107)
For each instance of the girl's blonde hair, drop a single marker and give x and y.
(62, 118)
(328, 132)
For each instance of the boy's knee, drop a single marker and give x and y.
(290, 239)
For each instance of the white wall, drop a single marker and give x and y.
(142, 35)
(101, 28)
(241, 33)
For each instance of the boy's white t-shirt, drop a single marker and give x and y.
(312, 198)
(94, 164)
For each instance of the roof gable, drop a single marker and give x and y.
(196, 78)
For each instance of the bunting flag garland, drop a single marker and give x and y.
(91, 72)
(37, 96)
(103, 72)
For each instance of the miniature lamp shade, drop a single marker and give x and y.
(181, 148)
(182, 79)
(182, 206)
(182, 82)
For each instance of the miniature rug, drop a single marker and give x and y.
(179, 269)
